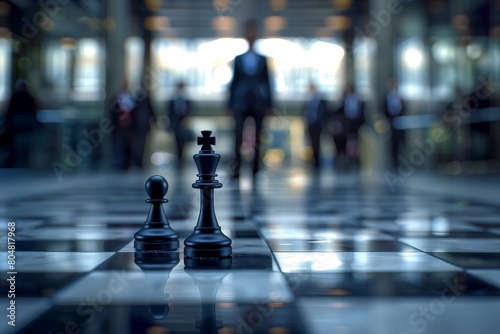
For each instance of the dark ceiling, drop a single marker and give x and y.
(213, 18)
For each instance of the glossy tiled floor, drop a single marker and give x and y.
(311, 254)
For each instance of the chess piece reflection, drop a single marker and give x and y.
(152, 263)
(207, 240)
(156, 236)
(208, 283)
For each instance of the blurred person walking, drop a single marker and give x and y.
(142, 118)
(21, 125)
(353, 110)
(179, 107)
(393, 108)
(249, 96)
(315, 110)
(122, 110)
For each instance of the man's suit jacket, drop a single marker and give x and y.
(250, 91)
(391, 115)
(352, 124)
(177, 116)
(318, 114)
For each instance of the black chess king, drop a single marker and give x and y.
(207, 239)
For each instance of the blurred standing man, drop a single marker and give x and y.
(143, 117)
(178, 109)
(337, 128)
(314, 112)
(21, 123)
(122, 111)
(352, 108)
(394, 107)
(250, 95)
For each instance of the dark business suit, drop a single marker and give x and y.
(353, 111)
(122, 116)
(393, 108)
(142, 118)
(21, 124)
(314, 112)
(250, 96)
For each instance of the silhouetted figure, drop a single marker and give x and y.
(178, 109)
(250, 96)
(394, 107)
(315, 110)
(21, 124)
(122, 115)
(482, 137)
(353, 110)
(452, 121)
(142, 118)
(337, 128)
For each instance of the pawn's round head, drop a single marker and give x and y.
(156, 186)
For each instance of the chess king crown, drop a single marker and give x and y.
(206, 162)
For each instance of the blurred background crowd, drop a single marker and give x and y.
(349, 85)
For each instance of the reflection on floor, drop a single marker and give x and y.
(312, 254)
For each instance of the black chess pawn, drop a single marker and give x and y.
(156, 236)
(207, 241)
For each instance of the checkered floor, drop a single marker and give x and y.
(311, 254)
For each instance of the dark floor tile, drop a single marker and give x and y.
(70, 245)
(389, 284)
(125, 261)
(487, 225)
(471, 260)
(444, 234)
(173, 318)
